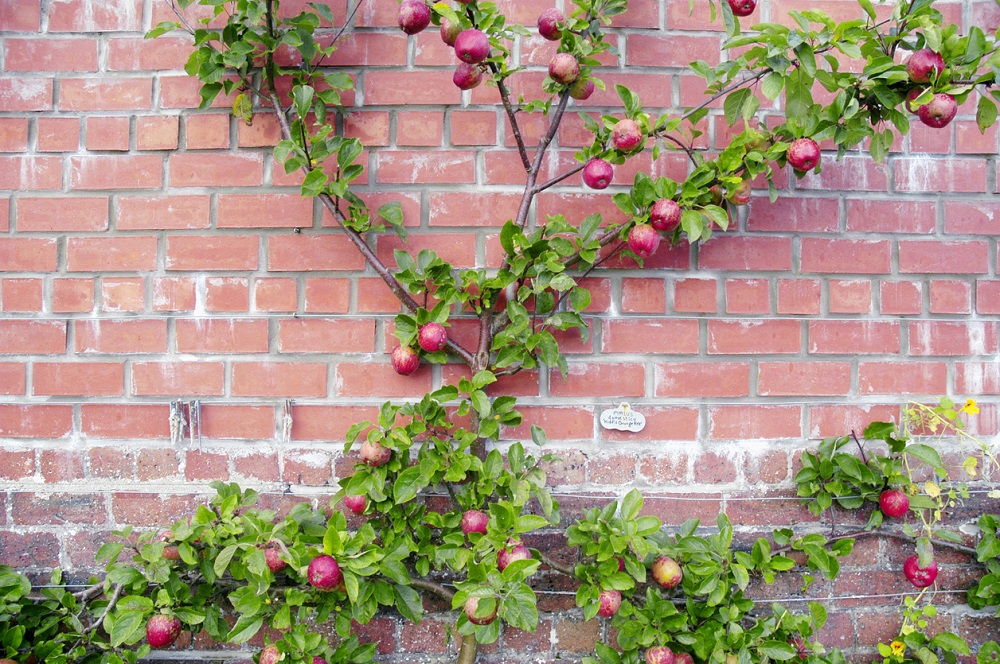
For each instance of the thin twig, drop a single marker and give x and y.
(861, 448)
(432, 586)
(512, 118)
(557, 566)
(559, 178)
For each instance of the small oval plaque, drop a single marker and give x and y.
(623, 418)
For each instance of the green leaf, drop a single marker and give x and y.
(129, 626)
(818, 614)
(777, 650)
(223, 559)
(245, 628)
(314, 183)
(986, 114)
(772, 85)
(950, 643)
(408, 484)
(734, 103)
(926, 454)
(408, 603)
(538, 435)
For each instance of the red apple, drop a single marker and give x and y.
(743, 7)
(921, 577)
(548, 24)
(660, 655)
(405, 360)
(597, 174)
(643, 240)
(581, 89)
(467, 76)
(374, 453)
(894, 503)
(939, 111)
(665, 215)
(162, 630)
(356, 504)
(911, 97)
(318, 660)
(924, 65)
(324, 573)
(683, 658)
(170, 552)
(432, 337)
(449, 31)
(563, 68)
(475, 521)
(272, 556)
(610, 601)
(414, 16)
(471, 605)
(667, 572)
(270, 655)
(803, 154)
(740, 194)
(472, 46)
(513, 552)
(626, 136)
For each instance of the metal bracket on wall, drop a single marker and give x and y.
(286, 422)
(185, 418)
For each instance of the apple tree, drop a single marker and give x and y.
(439, 503)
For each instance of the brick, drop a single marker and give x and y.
(662, 423)
(105, 94)
(123, 294)
(16, 464)
(21, 295)
(988, 297)
(850, 173)
(111, 463)
(237, 422)
(473, 127)
(569, 423)
(162, 213)
(13, 134)
(296, 253)
(657, 336)
(307, 467)
(317, 335)
(151, 509)
(420, 128)
(207, 132)
(16, 16)
(327, 423)
(622, 379)
(153, 132)
(799, 296)
(58, 134)
(30, 173)
(643, 296)
(12, 378)
(121, 336)
(95, 16)
(116, 172)
(804, 378)
(393, 88)
(455, 248)
(850, 297)
(201, 253)
(27, 337)
(34, 510)
(209, 335)
(324, 295)
(890, 216)
(934, 257)
(900, 297)
(155, 464)
(660, 470)
(24, 551)
(846, 256)
(472, 209)
(264, 211)
(205, 466)
(227, 294)
(71, 215)
(748, 296)
(420, 167)
(78, 378)
(35, 421)
(952, 174)
(902, 378)
(111, 254)
(695, 295)
(370, 380)
(756, 337)
(744, 422)
(953, 338)
(195, 169)
(21, 254)
(854, 337)
(260, 467)
(174, 294)
(279, 379)
(370, 127)
(795, 215)
(703, 379)
(275, 294)
(746, 253)
(196, 379)
(108, 134)
(135, 53)
(60, 466)
(971, 218)
(950, 297)
(26, 94)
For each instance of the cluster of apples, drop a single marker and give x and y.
(924, 67)
(432, 338)
(895, 504)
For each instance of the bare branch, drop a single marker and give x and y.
(432, 586)
(557, 179)
(512, 117)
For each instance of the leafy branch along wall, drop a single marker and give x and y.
(156, 253)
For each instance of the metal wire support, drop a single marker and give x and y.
(286, 422)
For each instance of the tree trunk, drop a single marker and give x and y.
(467, 655)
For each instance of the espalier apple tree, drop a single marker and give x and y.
(436, 507)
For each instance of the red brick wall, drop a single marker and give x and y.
(150, 252)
